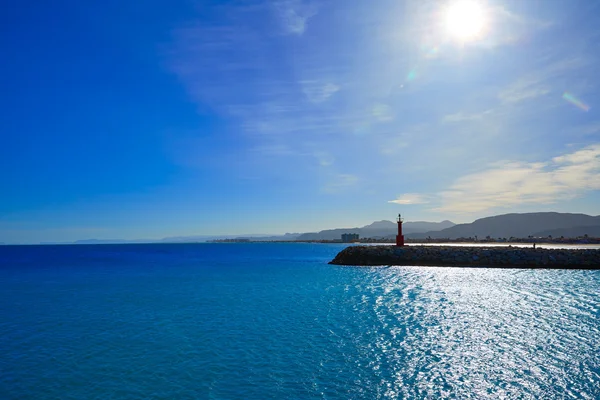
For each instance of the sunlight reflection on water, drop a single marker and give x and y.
(481, 333)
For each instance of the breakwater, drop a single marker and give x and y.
(499, 257)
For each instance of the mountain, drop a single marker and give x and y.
(513, 225)
(377, 229)
(578, 231)
(281, 238)
(423, 226)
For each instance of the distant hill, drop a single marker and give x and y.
(253, 237)
(515, 225)
(378, 229)
(184, 239)
(286, 237)
(108, 241)
(578, 231)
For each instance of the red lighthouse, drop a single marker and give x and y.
(400, 236)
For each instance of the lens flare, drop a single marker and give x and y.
(412, 75)
(575, 101)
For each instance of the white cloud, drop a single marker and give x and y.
(513, 183)
(411, 198)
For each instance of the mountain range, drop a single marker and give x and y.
(542, 224)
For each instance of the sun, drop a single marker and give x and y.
(465, 20)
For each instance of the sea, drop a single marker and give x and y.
(275, 321)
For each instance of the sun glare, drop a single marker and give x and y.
(465, 20)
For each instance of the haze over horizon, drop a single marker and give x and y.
(206, 118)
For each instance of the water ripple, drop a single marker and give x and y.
(464, 333)
(281, 323)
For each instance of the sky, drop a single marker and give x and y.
(123, 120)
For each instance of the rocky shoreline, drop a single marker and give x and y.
(488, 257)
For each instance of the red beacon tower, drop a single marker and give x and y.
(400, 236)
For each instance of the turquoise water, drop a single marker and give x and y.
(273, 321)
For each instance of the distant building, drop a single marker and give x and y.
(349, 237)
(236, 240)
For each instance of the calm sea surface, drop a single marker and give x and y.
(274, 321)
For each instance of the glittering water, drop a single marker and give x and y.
(271, 321)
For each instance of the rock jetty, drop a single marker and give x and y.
(459, 256)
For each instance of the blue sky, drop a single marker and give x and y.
(165, 118)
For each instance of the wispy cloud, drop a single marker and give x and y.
(524, 90)
(511, 28)
(586, 130)
(278, 150)
(541, 82)
(324, 158)
(514, 183)
(394, 146)
(294, 14)
(411, 198)
(462, 117)
(382, 113)
(317, 92)
(340, 102)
